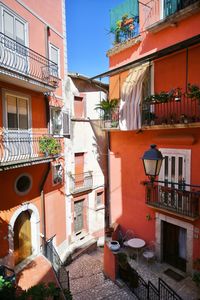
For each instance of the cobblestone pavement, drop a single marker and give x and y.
(87, 280)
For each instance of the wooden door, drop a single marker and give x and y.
(22, 237)
(79, 170)
(174, 245)
(78, 216)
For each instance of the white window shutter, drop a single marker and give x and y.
(66, 123)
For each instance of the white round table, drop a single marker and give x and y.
(136, 243)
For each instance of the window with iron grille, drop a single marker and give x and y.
(57, 174)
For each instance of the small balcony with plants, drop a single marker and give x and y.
(109, 114)
(25, 149)
(124, 25)
(179, 199)
(172, 109)
(23, 66)
(80, 182)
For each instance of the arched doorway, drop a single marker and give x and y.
(22, 237)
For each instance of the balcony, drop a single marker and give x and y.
(175, 198)
(81, 182)
(19, 149)
(173, 6)
(180, 111)
(24, 67)
(169, 13)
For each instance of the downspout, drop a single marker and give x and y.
(107, 204)
(42, 195)
(42, 202)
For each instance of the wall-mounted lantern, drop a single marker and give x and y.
(152, 161)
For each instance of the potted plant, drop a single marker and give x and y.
(193, 92)
(107, 107)
(49, 145)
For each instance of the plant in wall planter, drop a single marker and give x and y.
(49, 145)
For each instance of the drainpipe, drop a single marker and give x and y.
(42, 202)
(107, 202)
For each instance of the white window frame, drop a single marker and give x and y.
(186, 153)
(6, 93)
(15, 16)
(53, 173)
(51, 121)
(57, 49)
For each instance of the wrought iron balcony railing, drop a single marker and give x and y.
(23, 148)
(81, 182)
(180, 110)
(110, 120)
(18, 60)
(178, 198)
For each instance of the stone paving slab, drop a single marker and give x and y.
(87, 281)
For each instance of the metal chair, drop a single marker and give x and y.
(149, 252)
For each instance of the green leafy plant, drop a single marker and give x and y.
(161, 97)
(49, 145)
(107, 107)
(193, 92)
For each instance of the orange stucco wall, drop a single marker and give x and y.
(128, 206)
(152, 42)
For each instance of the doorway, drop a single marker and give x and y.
(174, 245)
(22, 237)
(78, 216)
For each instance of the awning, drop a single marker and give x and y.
(131, 97)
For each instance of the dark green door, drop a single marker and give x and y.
(78, 216)
(174, 245)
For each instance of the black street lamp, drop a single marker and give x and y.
(152, 161)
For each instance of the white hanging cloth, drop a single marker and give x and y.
(131, 98)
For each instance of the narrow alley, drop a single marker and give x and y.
(87, 280)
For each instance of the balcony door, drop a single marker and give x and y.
(15, 55)
(175, 169)
(17, 133)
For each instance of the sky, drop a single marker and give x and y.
(88, 38)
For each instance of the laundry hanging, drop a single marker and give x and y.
(131, 98)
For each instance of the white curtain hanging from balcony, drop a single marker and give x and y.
(131, 98)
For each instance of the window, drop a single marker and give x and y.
(79, 110)
(17, 112)
(57, 174)
(60, 122)
(176, 165)
(99, 199)
(54, 55)
(56, 121)
(14, 27)
(23, 184)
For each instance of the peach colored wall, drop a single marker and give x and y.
(50, 12)
(128, 206)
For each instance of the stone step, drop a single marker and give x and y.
(86, 247)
